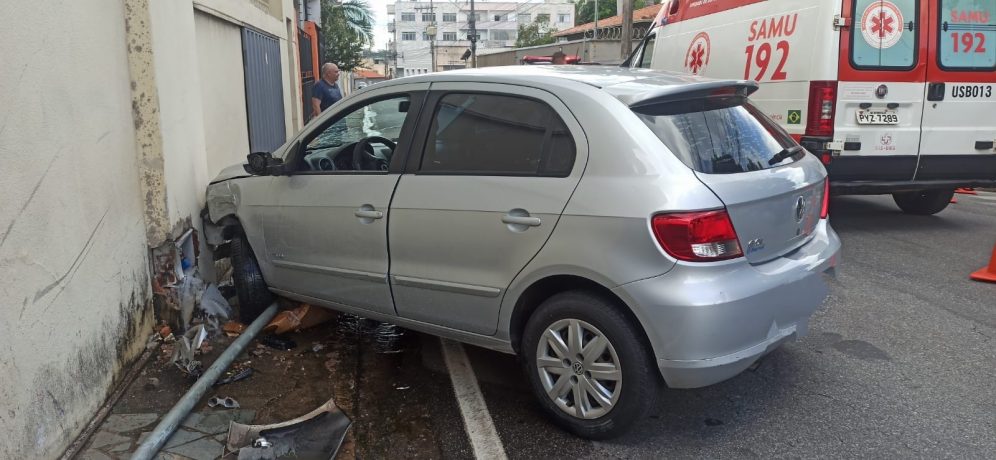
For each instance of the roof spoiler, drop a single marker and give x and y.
(685, 92)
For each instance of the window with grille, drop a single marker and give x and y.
(408, 36)
(407, 17)
(449, 17)
(428, 17)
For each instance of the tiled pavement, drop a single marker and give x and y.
(201, 436)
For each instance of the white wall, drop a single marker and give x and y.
(74, 289)
(223, 91)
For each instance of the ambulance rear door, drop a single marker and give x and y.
(880, 92)
(959, 119)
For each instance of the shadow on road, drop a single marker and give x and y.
(858, 213)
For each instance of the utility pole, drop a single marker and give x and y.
(627, 28)
(594, 36)
(473, 36)
(430, 30)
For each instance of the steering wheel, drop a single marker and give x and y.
(364, 152)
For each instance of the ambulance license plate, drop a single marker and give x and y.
(878, 117)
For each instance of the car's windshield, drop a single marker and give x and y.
(719, 136)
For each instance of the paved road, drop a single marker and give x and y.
(901, 362)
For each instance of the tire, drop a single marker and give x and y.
(629, 398)
(923, 202)
(253, 294)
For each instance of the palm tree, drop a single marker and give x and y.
(356, 14)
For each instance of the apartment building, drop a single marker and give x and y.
(496, 23)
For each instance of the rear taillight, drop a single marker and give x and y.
(825, 209)
(822, 108)
(697, 236)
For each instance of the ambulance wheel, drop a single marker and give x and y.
(253, 294)
(923, 202)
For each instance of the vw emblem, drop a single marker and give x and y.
(882, 91)
(800, 209)
(578, 368)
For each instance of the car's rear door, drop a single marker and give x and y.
(497, 167)
(959, 125)
(880, 95)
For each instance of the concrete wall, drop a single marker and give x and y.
(105, 153)
(604, 52)
(223, 91)
(74, 287)
(185, 114)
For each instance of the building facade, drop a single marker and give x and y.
(108, 138)
(496, 23)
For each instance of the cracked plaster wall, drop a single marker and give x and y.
(74, 286)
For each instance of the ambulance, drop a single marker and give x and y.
(894, 96)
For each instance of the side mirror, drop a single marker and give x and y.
(263, 164)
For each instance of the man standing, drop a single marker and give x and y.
(326, 92)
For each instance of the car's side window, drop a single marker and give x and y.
(500, 135)
(647, 55)
(362, 139)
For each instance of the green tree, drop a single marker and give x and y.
(347, 29)
(584, 10)
(535, 33)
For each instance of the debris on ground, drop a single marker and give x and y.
(223, 401)
(278, 343)
(317, 434)
(233, 328)
(189, 344)
(303, 317)
(151, 384)
(388, 338)
(235, 377)
(214, 309)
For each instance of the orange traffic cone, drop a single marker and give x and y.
(987, 274)
(966, 191)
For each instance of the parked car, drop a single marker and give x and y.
(616, 228)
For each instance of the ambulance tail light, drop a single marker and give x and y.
(822, 108)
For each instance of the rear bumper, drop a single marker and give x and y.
(709, 322)
(866, 174)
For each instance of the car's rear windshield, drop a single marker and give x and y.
(720, 135)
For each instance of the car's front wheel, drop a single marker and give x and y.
(253, 294)
(923, 202)
(588, 366)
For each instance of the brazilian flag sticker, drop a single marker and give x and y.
(795, 117)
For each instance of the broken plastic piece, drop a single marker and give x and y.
(227, 402)
(302, 317)
(215, 308)
(262, 442)
(233, 328)
(317, 434)
(278, 343)
(241, 375)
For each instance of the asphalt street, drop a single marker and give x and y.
(899, 363)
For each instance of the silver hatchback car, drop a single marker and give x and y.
(616, 228)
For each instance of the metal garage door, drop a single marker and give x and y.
(264, 91)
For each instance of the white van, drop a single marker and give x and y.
(894, 96)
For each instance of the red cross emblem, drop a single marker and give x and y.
(697, 56)
(882, 24)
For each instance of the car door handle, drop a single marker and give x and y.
(521, 220)
(368, 214)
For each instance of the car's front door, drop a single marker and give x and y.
(331, 239)
(498, 164)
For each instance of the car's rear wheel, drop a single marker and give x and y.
(587, 365)
(253, 294)
(923, 202)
